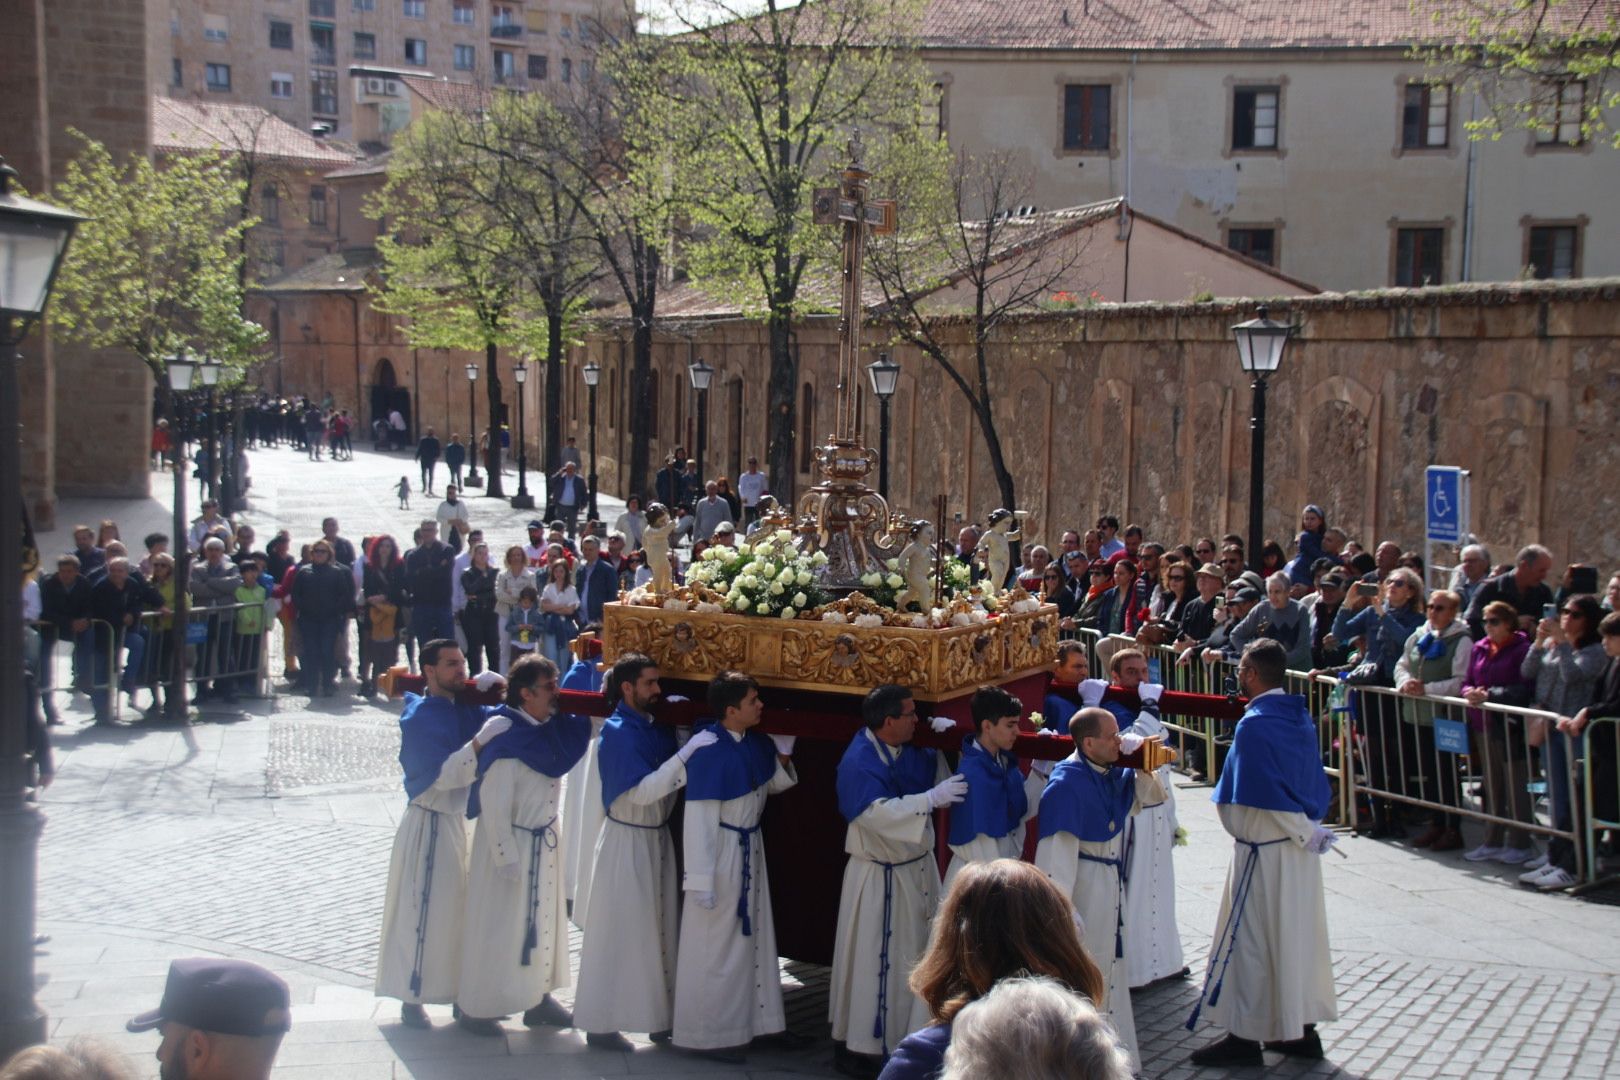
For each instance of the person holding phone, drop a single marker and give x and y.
(1524, 587)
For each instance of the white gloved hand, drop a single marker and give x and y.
(1321, 840)
(1046, 731)
(948, 792)
(673, 699)
(1130, 742)
(941, 724)
(704, 900)
(1092, 691)
(494, 726)
(1042, 767)
(698, 741)
(488, 680)
(1149, 693)
(506, 871)
(784, 744)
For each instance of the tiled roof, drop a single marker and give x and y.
(375, 165)
(330, 273)
(447, 94)
(191, 127)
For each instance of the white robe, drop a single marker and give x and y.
(1280, 976)
(517, 824)
(582, 818)
(1094, 889)
(895, 831)
(713, 1007)
(445, 803)
(985, 848)
(1153, 948)
(627, 957)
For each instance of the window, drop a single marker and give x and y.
(807, 428)
(1254, 117)
(322, 43)
(216, 28)
(317, 206)
(1561, 112)
(416, 51)
(219, 77)
(415, 9)
(1258, 244)
(536, 19)
(270, 204)
(462, 12)
(323, 97)
(1426, 117)
(280, 34)
(466, 57)
(503, 21)
(567, 25)
(1085, 117)
(940, 124)
(362, 5)
(323, 9)
(1553, 250)
(281, 85)
(365, 46)
(567, 70)
(537, 68)
(505, 65)
(1419, 256)
(177, 73)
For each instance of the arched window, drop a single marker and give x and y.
(807, 428)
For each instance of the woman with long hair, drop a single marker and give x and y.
(559, 603)
(1000, 920)
(157, 664)
(478, 619)
(515, 576)
(383, 587)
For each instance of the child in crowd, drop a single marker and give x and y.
(404, 490)
(524, 625)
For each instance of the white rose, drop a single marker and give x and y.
(777, 588)
(706, 608)
(819, 559)
(920, 621)
(786, 576)
(788, 613)
(763, 607)
(783, 536)
(893, 564)
(833, 617)
(740, 603)
(800, 600)
(872, 580)
(803, 577)
(895, 581)
(744, 550)
(868, 621)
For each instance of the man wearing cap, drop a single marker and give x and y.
(220, 1020)
(420, 958)
(750, 486)
(535, 550)
(1321, 606)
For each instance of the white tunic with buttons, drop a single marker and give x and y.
(582, 822)
(627, 958)
(517, 804)
(713, 1004)
(1153, 947)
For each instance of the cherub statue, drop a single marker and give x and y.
(917, 567)
(655, 543)
(995, 544)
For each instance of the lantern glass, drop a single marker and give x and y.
(592, 372)
(702, 374)
(885, 376)
(520, 372)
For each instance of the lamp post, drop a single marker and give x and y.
(702, 374)
(522, 500)
(209, 372)
(473, 479)
(1260, 343)
(885, 376)
(33, 238)
(181, 373)
(593, 375)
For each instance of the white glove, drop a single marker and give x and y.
(494, 726)
(1092, 691)
(1321, 840)
(1042, 767)
(1149, 693)
(941, 724)
(784, 744)
(488, 680)
(1046, 732)
(1130, 742)
(706, 737)
(948, 792)
(506, 871)
(704, 900)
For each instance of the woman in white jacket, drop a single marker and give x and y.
(514, 577)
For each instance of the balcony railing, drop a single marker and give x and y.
(506, 30)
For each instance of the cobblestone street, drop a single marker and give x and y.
(264, 832)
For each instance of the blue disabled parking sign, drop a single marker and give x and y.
(1446, 511)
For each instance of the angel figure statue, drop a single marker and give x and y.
(917, 567)
(655, 543)
(1004, 527)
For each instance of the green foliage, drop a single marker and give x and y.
(157, 268)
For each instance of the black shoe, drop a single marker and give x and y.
(726, 1056)
(548, 1014)
(414, 1016)
(476, 1026)
(662, 1038)
(1229, 1051)
(1308, 1046)
(609, 1040)
(365, 690)
(784, 1040)
(861, 1066)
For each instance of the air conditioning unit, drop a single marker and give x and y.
(391, 87)
(375, 86)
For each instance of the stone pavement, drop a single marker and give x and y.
(264, 833)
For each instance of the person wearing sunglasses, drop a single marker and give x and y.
(1496, 740)
(1434, 663)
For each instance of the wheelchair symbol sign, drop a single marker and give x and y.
(1444, 509)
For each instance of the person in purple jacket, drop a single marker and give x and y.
(1496, 740)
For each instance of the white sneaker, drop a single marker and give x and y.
(1533, 877)
(1555, 877)
(1510, 856)
(1537, 863)
(1483, 853)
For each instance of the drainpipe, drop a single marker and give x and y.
(1130, 93)
(1468, 197)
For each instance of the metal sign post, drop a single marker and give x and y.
(1447, 514)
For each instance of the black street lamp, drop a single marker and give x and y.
(181, 373)
(209, 372)
(522, 500)
(1260, 343)
(593, 375)
(33, 238)
(702, 374)
(885, 376)
(473, 479)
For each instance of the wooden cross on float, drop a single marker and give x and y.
(847, 206)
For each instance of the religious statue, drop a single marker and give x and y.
(995, 544)
(655, 544)
(917, 567)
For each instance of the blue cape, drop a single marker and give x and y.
(1274, 763)
(731, 768)
(1058, 711)
(996, 802)
(864, 776)
(581, 675)
(430, 730)
(551, 748)
(632, 747)
(1089, 805)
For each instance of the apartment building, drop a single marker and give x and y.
(293, 57)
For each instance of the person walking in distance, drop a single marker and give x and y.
(427, 456)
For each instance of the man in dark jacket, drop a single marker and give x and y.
(667, 484)
(1523, 587)
(428, 580)
(323, 595)
(118, 601)
(596, 582)
(427, 455)
(64, 599)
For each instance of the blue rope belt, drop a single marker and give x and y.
(547, 835)
(745, 834)
(1119, 905)
(633, 825)
(422, 909)
(880, 1025)
(1228, 935)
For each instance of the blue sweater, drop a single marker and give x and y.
(920, 1055)
(1386, 633)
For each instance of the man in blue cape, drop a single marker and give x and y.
(420, 957)
(989, 822)
(1071, 667)
(1270, 977)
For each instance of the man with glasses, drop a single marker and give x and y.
(1232, 563)
(1108, 536)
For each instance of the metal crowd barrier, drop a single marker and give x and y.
(72, 662)
(1598, 817)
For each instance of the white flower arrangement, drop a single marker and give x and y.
(961, 618)
(789, 613)
(706, 607)
(1030, 604)
(675, 603)
(834, 617)
(868, 621)
(799, 600)
(895, 581)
